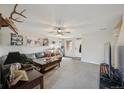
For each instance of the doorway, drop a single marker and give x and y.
(73, 48)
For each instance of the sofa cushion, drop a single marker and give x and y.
(25, 59)
(13, 57)
(39, 55)
(32, 56)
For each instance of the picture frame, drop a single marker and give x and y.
(45, 42)
(33, 41)
(16, 40)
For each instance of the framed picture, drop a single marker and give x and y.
(16, 40)
(34, 41)
(38, 42)
(45, 42)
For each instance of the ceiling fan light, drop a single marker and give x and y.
(59, 30)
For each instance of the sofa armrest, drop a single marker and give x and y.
(0, 86)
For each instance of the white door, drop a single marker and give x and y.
(77, 48)
(69, 48)
(72, 48)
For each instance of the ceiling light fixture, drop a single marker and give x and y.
(59, 30)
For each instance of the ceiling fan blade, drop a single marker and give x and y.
(55, 27)
(53, 31)
(60, 34)
(75, 26)
(63, 28)
(68, 32)
(50, 32)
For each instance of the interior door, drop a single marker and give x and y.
(78, 48)
(68, 48)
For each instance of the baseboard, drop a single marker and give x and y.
(73, 57)
(90, 62)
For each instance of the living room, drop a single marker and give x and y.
(55, 46)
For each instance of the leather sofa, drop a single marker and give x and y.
(37, 61)
(38, 58)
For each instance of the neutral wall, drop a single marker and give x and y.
(121, 59)
(120, 50)
(115, 36)
(57, 41)
(5, 46)
(93, 46)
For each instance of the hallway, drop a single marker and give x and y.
(73, 74)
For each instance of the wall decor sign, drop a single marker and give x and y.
(16, 40)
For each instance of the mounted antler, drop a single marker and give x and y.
(15, 12)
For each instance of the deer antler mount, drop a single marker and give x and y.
(10, 21)
(15, 12)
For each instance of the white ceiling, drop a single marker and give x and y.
(77, 19)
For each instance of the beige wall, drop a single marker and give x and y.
(114, 43)
(93, 46)
(5, 46)
(120, 50)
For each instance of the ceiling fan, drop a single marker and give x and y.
(59, 30)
